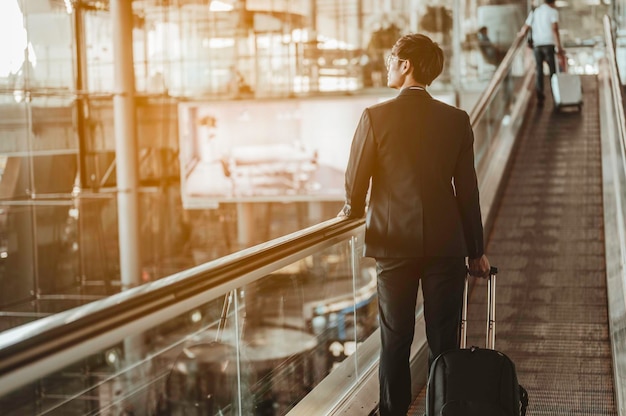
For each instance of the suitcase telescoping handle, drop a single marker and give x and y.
(491, 310)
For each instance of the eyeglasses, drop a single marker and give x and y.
(393, 58)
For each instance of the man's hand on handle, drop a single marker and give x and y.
(479, 267)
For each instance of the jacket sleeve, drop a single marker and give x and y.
(466, 186)
(360, 168)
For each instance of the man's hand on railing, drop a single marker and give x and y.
(345, 212)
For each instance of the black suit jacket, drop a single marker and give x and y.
(418, 153)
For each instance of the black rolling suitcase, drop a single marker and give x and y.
(475, 381)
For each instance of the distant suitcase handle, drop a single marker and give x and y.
(490, 341)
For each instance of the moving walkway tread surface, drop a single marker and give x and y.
(548, 243)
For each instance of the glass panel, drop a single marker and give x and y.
(17, 269)
(53, 257)
(497, 115)
(12, 52)
(47, 48)
(52, 124)
(98, 245)
(99, 154)
(297, 322)
(54, 174)
(98, 51)
(165, 235)
(273, 63)
(205, 375)
(56, 246)
(15, 124)
(279, 337)
(39, 139)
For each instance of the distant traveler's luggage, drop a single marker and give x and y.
(566, 90)
(475, 381)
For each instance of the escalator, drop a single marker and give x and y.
(548, 243)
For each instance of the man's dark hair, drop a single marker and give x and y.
(424, 54)
(550, 1)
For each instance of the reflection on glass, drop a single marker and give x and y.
(297, 324)
(202, 381)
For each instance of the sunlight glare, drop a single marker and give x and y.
(220, 6)
(11, 27)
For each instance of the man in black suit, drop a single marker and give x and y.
(423, 218)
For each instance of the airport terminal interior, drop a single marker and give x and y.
(170, 176)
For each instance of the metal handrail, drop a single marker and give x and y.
(45, 339)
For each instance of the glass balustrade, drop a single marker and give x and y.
(259, 347)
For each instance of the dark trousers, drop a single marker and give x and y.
(398, 281)
(543, 53)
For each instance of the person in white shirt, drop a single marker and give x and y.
(544, 23)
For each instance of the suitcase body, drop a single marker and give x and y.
(475, 381)
(566, 90)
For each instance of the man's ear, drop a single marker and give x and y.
(407, 68)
